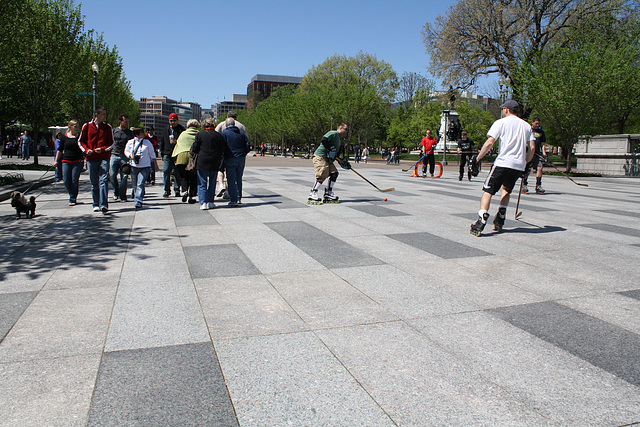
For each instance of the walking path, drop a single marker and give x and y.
(364, 313)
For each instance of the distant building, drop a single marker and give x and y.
(262, 85)
(155, 110)
(238, 102)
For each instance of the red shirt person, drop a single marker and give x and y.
(95, 141)
(428, 145)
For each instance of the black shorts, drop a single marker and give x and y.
(501, 177)
(536, 161)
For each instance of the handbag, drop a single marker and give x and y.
(193, 158)
(126, 169)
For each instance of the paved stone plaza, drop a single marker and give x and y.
(364, 313)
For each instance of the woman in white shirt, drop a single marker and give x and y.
(142, 157)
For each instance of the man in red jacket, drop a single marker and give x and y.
(96, 140)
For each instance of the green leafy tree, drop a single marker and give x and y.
(589, 83)
(46, 57)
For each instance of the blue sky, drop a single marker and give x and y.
(203, 51)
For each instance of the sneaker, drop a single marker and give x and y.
(233, 204)
(138, 205)
(104, 209)
(96, 209)
(459, 177)
(539, 189)
(498, 221)
(211, 206)
(204, 206)
(226, 196)
(177, 194)
(166, 194)
(432, 175)
(192, 200)
(221, 192)
(478, 226)
(185, 196)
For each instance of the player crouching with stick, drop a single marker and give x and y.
(517, 147)
(323, 159)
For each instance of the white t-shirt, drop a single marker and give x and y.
(514, 135)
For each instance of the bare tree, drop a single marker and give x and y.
(482, 37)
(410, 83)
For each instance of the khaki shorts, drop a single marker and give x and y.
(323, 167)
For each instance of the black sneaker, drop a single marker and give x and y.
(498, 221)
(166, 194)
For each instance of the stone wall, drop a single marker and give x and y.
(617, 155)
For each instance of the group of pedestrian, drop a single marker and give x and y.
(112, 155)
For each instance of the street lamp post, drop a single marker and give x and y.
(95, 69)
(504, 90)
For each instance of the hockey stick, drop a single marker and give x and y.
(558, 170)
(382, 191)
(413, 165)
(518, 204)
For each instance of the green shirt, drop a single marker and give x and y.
(333, 138)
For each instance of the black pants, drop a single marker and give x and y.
(188, 180)
(464, 159)
(431, 159)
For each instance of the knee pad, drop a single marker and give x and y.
(333, 176)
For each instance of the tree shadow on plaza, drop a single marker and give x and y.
(35, 247)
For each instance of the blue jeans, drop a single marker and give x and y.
(25, 152)
(167, 168)
(115, 169)
(71, 177)
(99, 177)
(138, 180)
(207, 186)
(234, 168)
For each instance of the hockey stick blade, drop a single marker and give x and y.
(518, 215)
(371, 183)
(563, 173)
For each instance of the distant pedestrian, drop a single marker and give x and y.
(222, 184)
(121, 136)
(154, 141)
(25, 144)
(96, 139)
(187, 178)
(234, 159)
(56, 146)
(517, 147)
(142, 158)
(365, 154)
(70, 158)
(209, 146)
(166, 145)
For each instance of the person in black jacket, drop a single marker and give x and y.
(209, 146)
(234, 159)
(167, 143)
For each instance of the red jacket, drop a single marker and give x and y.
(92, 137)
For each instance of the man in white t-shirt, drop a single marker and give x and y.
(517, 147)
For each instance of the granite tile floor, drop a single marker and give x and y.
(362, 313)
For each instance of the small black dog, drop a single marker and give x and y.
(21, 204)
